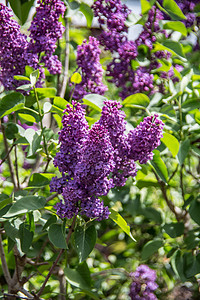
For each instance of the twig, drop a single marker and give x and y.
(4, 263)
(10, 164)
(16, 168)
(66, 70)
(181, 183)
(51, 197)
(176, 210)
(4, 159)
(71, 229)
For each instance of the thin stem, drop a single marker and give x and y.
(41, 124)
(51, 197)
(181, 183)
(10, 164)
(4, 263)
(71, 229)
(16, 168)
(4, 159)
(176, 210)
(173, 174)
(66, 70)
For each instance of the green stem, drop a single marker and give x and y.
(41, 124)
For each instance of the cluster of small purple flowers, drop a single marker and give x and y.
(92, 161)
(13, 50)
(119, 70)
(143, 285)
(111, 15)
(88, 60)
(16, 51)
(45, 29)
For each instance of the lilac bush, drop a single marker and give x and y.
(92, 161)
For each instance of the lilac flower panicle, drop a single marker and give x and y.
(145, 138)
(14, 55)
(92, 161)
(111, 15)
(45, 30)
(88, 60)
(143, 285)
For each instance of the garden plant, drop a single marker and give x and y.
(99, 150)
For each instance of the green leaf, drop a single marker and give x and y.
(183, 151)
(85, 240)
(171, 143)
(159, 166)
(77, 280)
(45, 93)
(174, 229)
(178, 265)
(26, 237)
(25, 204)
(72, 9)
(152, 214)
(88, 13)
(176, 47)
(16, 7)
(145, 5)
(119, 220)
(176, 26)
(21, 77)
(34, 77)
(194, 211)
(173, 10)
(25, 8)
(76, 78)
(40, 179)
(84, 271)
(11, 130)
(24, 87)
(34, 141)
(4, 200)
(56, 236)
(185, 81)
(50, 221)
(27, 117)
(136, 99)
(59, 104)
(197, 116)
(95, 101)
(191, 104)
(11, 231)
(10, 103)
(150, 248)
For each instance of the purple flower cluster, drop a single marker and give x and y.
(111, 15)
(139, 80)
(45, 29)
(88, 60)
(92, 161)
(16, 51)
(14, 55)
(143, 285)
